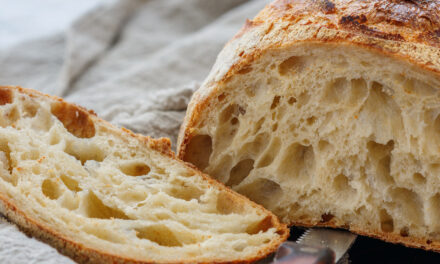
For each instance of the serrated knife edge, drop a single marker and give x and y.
(338, 240)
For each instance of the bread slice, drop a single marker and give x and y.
(328, 114)
(105, 195)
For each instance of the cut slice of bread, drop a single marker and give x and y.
(100, 194)
(328, 114)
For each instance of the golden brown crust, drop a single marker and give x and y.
(406, 30)
(82, 253)
(392, 20)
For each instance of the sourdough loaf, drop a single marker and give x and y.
(327, 113)
(100, 194)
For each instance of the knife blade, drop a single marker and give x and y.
(316, 245)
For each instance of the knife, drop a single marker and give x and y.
(315, 246)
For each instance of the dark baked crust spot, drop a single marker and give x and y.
(430, 37)
(354, 23)
(397, 20)
(5, 96)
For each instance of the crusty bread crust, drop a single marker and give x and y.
(405, 30)
(83, 254)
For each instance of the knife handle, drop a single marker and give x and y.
(294, 253)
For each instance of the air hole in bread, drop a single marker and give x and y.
(10, 116)
(159, 234)
(419, 178)
(226, 204)
(226, 164)
(30, 108)
(275, 102)
(240, 171)
(259, 124)
(241, 110)
(337, 91)
(433, 211)
(84, 151)
(135, 169)
(298, 161)
(386, 221)
(250, 91)
(5, 156)
(327, 217)
(54, 137)
(303, 99)
(409, 204)
(291, 65)
(228, 130)
(51, 189)
(228, 113)
(245, 70)
(132, 196)
(70, 201)
(342, 185)
(324, 146)
(359, 91)
(261, 226)
(239, 246)
(365, 64)
(432, 130)
(419, 88)
(95, 208)
(185, 192)
(388, 121)
(75, 120)
(6, 96)
(291, 100)
(43, 121)
(199, 150)
(380, 156)
(262, 191)
(13, 115)
(404, 231)
(163, 216)
(70, 183)
(36, 169)
(311, 120)
(270, 153)
(234, 121)
(6, 164)
(221, 97)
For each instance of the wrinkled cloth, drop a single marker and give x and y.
(136, 63)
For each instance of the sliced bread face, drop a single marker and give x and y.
(105, 195)
(322, 127)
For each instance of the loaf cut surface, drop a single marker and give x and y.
(328, 113)
(105, 195)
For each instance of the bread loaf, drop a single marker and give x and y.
(327, 113)
(105, 195)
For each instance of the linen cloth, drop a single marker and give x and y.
(136, 63)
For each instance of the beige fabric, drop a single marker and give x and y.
(136, 63)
